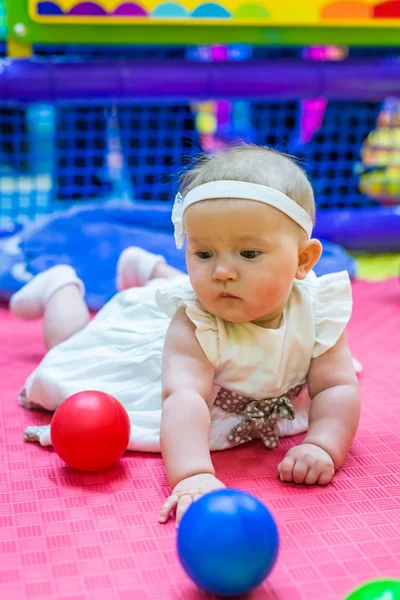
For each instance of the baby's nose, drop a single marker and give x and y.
(224, 272)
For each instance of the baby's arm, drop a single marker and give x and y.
(333, 419)
(187, 378)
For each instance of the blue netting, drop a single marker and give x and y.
(234, 52)
(129, 148)
(75, 52)
(98, 52)
(334, 151)
(373, 52)
(54, 154)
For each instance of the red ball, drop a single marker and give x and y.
(90, 430)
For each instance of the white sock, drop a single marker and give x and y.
(135, 267)
(30, 301)
(38, 433)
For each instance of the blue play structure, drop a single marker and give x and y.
(80, 180)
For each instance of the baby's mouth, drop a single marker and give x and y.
(227, 295)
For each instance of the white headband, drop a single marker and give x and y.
(237, 189)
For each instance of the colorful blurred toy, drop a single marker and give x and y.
(222, 122)
(384, 589)
(90, 430)
(380, 154)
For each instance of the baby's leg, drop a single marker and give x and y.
(165, 271)
(136, 267)
(57, 296)
(65, 314)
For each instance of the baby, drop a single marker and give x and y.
(252, 344)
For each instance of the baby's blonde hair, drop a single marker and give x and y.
(253, 164)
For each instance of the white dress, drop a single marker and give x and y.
(260, 374)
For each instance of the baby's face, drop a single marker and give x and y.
(242, 257)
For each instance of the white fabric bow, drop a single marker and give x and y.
(177, 220)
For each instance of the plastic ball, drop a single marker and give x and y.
(383, 589)
(90, 430)
(227, 542)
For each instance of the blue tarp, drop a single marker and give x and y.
(91, 238)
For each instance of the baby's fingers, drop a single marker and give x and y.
(285, 469)
(169, 505)
(326, 476)
(313, 474)
(300, 470)
(183, 504)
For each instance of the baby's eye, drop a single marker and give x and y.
(204, 255)
(249, 254)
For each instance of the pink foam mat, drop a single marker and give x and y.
(71, 536)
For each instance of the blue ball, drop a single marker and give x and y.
(227, 542)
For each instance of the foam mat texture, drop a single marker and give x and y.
(71, 536)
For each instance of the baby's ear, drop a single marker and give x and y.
(309, 254)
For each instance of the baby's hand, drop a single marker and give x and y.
(308, 464)
(187, 491)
